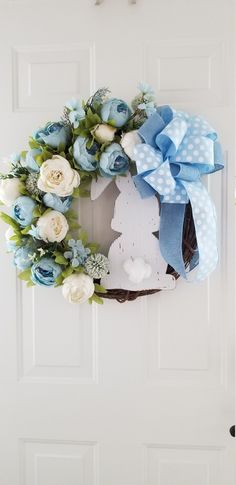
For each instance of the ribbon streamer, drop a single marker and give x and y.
(177, 150)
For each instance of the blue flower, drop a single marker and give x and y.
(30, 161)
(77, 112)
(115, 111)
(146, 89)
(60, 204)
(22, 257)
(148, 107)
(78, 253)
(22, 210)
(85, 157)
(113, 161)
(15, 158)
(34, 232)
(45, 272)
(53, 134)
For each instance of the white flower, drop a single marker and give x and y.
(104, 133)
(52, 226)
(137, 269)
(77, 288)
(9, 190)
(128, 142)
(57, 177)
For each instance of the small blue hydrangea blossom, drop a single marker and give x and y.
(53, 134)
(30, 161)
(77, 254)
(116, 112)
(76, 113)
(15, 158)
(22, 210)
(34, 232)
(146, 89)
(45, 272)
(60, 204)
(22, 257)
(85, 157)
(113, 161)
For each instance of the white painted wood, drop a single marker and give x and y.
(140, 393)
(137, 219)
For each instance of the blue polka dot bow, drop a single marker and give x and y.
(177, 150)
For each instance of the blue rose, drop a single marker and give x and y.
(85, 157)
(113, 161)
(76, 112)
(60, 204)
(115, 111)
(22, 257)
(53, 134)
(30, 161)
(45, 272)
(22, 210)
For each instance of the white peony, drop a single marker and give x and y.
(137, 269)
(128, 142)
(104, 133)
(57, 177)
(9, 190)
(77, 288)
(52, 226)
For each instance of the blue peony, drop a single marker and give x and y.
(30, 161)
(85, 157)
(22, 210)
(22, 257)
(53, 134)
(116, 112)
(113, 161)
(45, 272)
(60, 204)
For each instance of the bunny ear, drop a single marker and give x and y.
(125, 182)
(98, 186)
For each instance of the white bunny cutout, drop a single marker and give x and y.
(135, 258)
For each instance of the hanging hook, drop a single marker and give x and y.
(97, 2)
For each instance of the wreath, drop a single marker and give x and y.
(164, 153)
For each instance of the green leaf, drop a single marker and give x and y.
(83, 237)
(25, 230)
(67, 272)
(100, 288)
(60, 259)
(76, 192)
(25, 275)
(9, 220)
(33, 143)
(59, 280)
(94, 247)
(38, 211)
(96, 299)
(30, 283)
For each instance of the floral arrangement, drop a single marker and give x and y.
(92, 138)
(166, 152)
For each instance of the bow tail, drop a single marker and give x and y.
(171, 235)
(204, 216)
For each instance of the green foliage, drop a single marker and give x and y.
(25, 275)
(100, 288)
(25, 230)
(60, 259)
(67, 272)
(33, 143)
(96, 299)
(10, 221)
(59, 280)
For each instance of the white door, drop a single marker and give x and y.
(139, 393)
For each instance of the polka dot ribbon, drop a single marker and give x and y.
(177, 150)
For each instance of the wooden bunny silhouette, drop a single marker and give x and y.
(135, 259)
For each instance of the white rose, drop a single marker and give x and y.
(128, 142)
(104, 133)
(9, 190)
(77, 288)
(57, 177)
(52, 227)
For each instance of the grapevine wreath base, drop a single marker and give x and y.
(166, 219)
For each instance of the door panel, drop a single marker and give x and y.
(140, 393)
